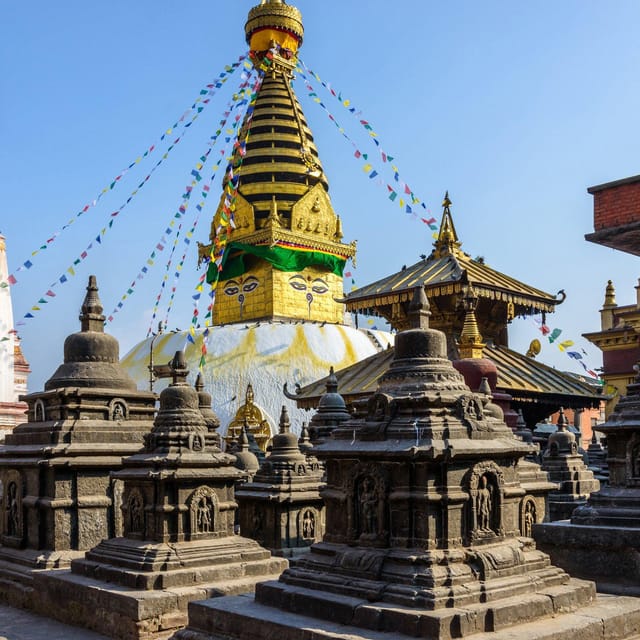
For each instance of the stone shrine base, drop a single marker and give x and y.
(545, 615)
(610, 556)
(18, 566)
(129, 603)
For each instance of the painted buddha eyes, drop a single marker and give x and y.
(233, 287)
(318, 285)
(250, 284)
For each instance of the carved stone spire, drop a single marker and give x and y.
(91, 317)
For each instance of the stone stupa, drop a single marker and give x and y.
(423, 505)
(59, 498)
(178, 544)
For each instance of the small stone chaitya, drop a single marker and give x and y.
(178, 544)
(59, 498)
(282, 508)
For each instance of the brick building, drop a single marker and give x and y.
(616, 223)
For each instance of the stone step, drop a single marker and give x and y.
(241, 618)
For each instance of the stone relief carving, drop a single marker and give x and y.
(485, 488)
(118, 410)
(203, 506)
(528, 516)
(308, 524)
(13, 510)
(135, 513)
(39, 413)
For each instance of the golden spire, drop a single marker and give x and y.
(274, 25)
(471, 345)
(282, 213)
(610, 295)
(447, 242)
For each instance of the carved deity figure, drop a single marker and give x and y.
(308, 525)
(368, 507)
(13, 510)
(136, 510)
(118, 412)
(484, 505)
(529, 518)
(203, 519)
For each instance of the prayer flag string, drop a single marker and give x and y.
(566, 346)
(194, 111)
(225, 218)
(401, 194)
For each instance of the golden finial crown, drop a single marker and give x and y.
(610, 295)
(274, 16)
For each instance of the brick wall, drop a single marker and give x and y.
(616, 205)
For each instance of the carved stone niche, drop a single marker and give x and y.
(39, 411)
(118, 410)
(486, 504)
(309, 526)
(367, 515)
(528, 516)
(12, 520)
(204, 512)
(633, 461)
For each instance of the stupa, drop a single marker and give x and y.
(422, 540)
(565, 466)
(59, 498)
(277, 315)
(602, 540)
(179, 542)
(281, 507)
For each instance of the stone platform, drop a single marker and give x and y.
(152, 604)
(550, 618)
(608, 555)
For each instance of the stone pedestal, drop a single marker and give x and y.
(178, 544)
(282, 508)
(602, 539)
(423, 536)
(566, 467)
(59, 498)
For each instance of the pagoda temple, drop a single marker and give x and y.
(447, 275)
(277, 313)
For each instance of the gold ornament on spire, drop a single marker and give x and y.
(610, 295)
(470, 345)
(447, 242)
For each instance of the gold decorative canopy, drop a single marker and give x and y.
(286, 247)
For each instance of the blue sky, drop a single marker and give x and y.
(515, 108)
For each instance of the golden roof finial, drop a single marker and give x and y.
(610, 295)
(447, 242)
(471, 345)
(274, 24)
